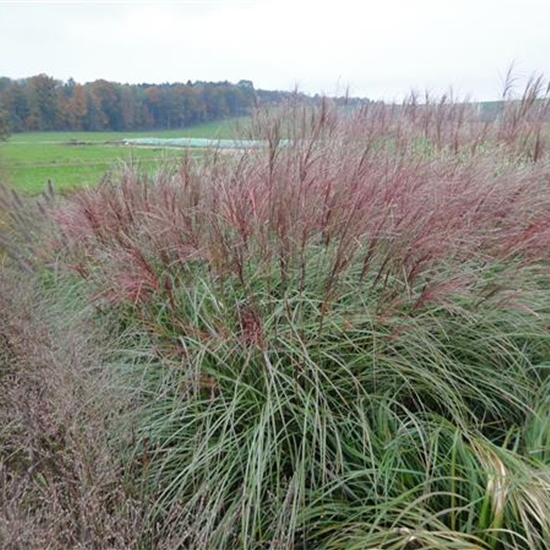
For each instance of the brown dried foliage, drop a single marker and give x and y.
(60, 484)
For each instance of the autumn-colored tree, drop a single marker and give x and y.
(72, 105)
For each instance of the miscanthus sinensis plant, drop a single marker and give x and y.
(344, 334)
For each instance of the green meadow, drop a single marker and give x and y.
(73, 159)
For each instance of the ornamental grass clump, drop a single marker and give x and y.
(344, 335)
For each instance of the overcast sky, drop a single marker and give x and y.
(379, 49)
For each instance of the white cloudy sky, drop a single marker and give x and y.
(378, 48)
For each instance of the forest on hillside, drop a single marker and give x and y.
(43, 103)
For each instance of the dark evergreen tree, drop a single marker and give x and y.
(4, 125)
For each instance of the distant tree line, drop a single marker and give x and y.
(42, 102)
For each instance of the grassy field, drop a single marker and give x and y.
(70, 159)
